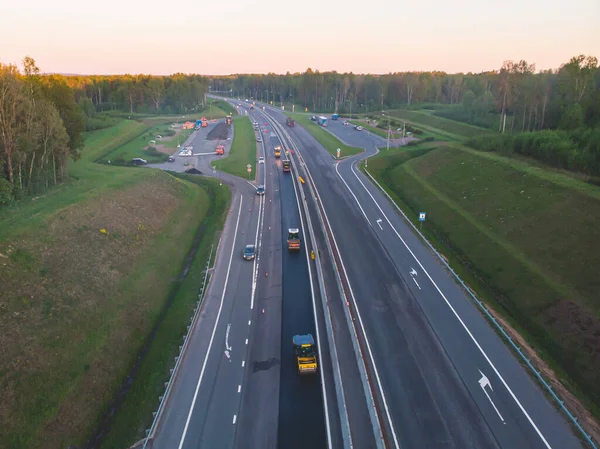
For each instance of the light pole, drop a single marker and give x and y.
(388, 131)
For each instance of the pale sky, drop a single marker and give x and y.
(236, 36)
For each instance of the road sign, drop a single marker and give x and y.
(421, 216)
(338, 152)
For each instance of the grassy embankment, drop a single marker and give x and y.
(524, 237)
(325, 138)
(439, 127)
(223, 106)
(242, 152)
(86, 275)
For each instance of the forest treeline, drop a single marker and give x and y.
(516, 96)
(43, 117)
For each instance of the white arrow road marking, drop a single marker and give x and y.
(485, 382)
(227, 347)
(414, 273)
(379, 223)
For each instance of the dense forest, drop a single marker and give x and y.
(43, 117)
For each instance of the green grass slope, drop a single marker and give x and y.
(242, 152)
(531, 243)
(86, 271)
(446, 128)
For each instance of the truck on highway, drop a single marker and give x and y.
(335, 117)
(290, 122)
(305, 353)
(277, 151)
(228, 119)
(322, 120)
(220, 150)
(204, 122)
(198, 124)
(286, 165)
(293, 240)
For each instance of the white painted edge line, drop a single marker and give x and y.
(535, 427)
(234, 419)
(352, 193)
(212, 337)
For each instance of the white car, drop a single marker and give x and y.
(359, 128)
(261, 160)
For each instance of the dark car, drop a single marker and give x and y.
(139, 161)
(171, 159)
(260, 190)
(249, 252)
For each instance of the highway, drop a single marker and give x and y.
(204, 404)
(301, 420)
(444, 378)
(237, 384)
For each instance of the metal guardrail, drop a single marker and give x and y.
(163, 398)
(560, 402)
(339, 389)
(377, 431)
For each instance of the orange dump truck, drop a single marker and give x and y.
(220, 150)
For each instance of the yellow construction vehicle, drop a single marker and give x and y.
(278, 151)
(305, 353)
(293, 240)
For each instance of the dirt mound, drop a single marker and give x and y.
(219, 132)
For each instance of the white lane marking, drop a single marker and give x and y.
(352, 193)
(234, 418)
(249, 322)
(485, 382)
(212, 337)
(246, 341)
(239, 388)
(416, 283)
(257, 242)
(243, 363)
(256, 263)
(326, 409)
(535, 427)
(379, 223)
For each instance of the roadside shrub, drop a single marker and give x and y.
(6, 192)
(577, 151)
(99, 122)
(154, 153)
